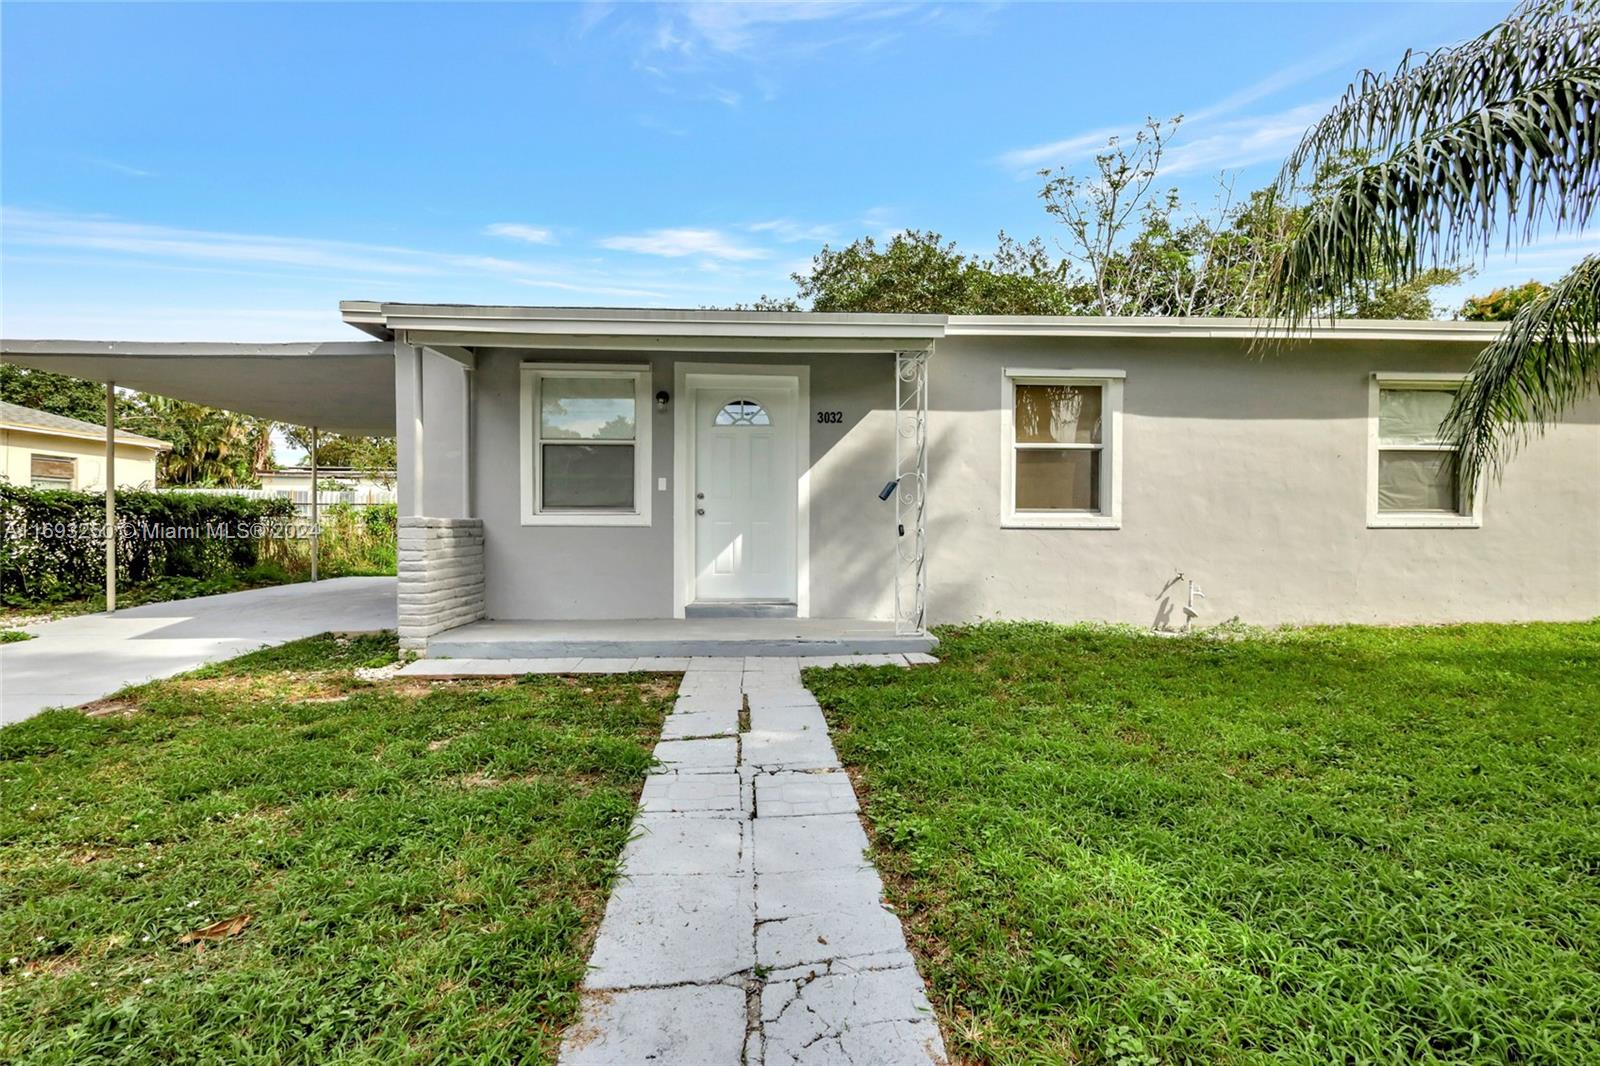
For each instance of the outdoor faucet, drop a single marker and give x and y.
(1190, 612)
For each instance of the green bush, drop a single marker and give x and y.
(355, 542)
(51, 540)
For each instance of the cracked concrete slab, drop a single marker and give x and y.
(661, 1026)
(684, 725)
(897, 1043)
(798, 719)
(673, 930)
(809, 891)
(686, 844)
(776, 697)
(691, 794)
(872, 1016)
(713, 756)
(779, 685)
(710, 703)
(807, 842)
(748, 926)
(808, 750)
(716, 664)
(826, 934)
(788, 793)
(601, 665)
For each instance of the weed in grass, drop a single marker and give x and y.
(224, 870)
(1338, 844)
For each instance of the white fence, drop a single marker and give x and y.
(301, 498)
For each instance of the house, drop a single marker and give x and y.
(571, 476)
(347, 485)
(51, 451)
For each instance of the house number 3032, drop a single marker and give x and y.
(830, 416)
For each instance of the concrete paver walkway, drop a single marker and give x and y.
(75, 660)
(748, 926)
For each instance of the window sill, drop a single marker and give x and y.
(1086, 521)
(579, 519)
(1400, 521)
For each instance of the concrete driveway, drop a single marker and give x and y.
(76, 660)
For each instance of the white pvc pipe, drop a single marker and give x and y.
(111, 497)
(316, 531)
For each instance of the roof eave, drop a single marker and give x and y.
(1266, 330)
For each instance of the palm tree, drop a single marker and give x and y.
(209, 447)
(1496, 139)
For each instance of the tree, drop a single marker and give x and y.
(918, 271)
(209, 447)
(1496, 139)
(1146, 252)
(374, 456)
(1502, 305)
(56, 393)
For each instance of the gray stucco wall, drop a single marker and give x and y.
(1248, 473)
(627, 572)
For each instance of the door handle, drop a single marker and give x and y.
(699, 495)
(699, 510)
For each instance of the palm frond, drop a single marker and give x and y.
(1547, 359)
(1427, 90)
(1504, 168)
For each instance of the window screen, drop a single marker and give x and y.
(1058, 447)
(53, 471)
(1418, 472)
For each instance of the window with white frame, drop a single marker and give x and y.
(52, 471)
(586, 445)
(1061, 459)
(1414, 476)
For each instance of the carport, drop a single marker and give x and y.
(344, 387)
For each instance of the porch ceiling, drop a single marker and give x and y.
(344, 387)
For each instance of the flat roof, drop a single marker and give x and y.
(348, 387)
(341, 386)
(550, 325)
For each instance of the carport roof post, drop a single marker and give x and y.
(343, 386)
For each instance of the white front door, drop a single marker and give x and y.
(745, 490)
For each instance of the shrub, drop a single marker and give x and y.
(51, 540)
(355, 542)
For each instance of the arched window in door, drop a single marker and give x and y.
(742, 413)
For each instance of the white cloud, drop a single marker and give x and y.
(1209, 145)
(1545, 260)
(47, 229)
(120, 168)
(737, 27)
(518, 232)
(1202, 128)
(789, 231)
(674, 243)
(1242, 141)
(1066, 151)
(233, 266)
(599, 290)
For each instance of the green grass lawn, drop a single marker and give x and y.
(1338, 845)
(422, 866)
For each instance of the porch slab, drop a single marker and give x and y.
(678, 638)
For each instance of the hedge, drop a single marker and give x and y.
(52, 540)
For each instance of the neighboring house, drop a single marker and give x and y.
(50, 451)
(352, 486)
(582, 464)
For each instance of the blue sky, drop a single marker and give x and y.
(229, 172)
